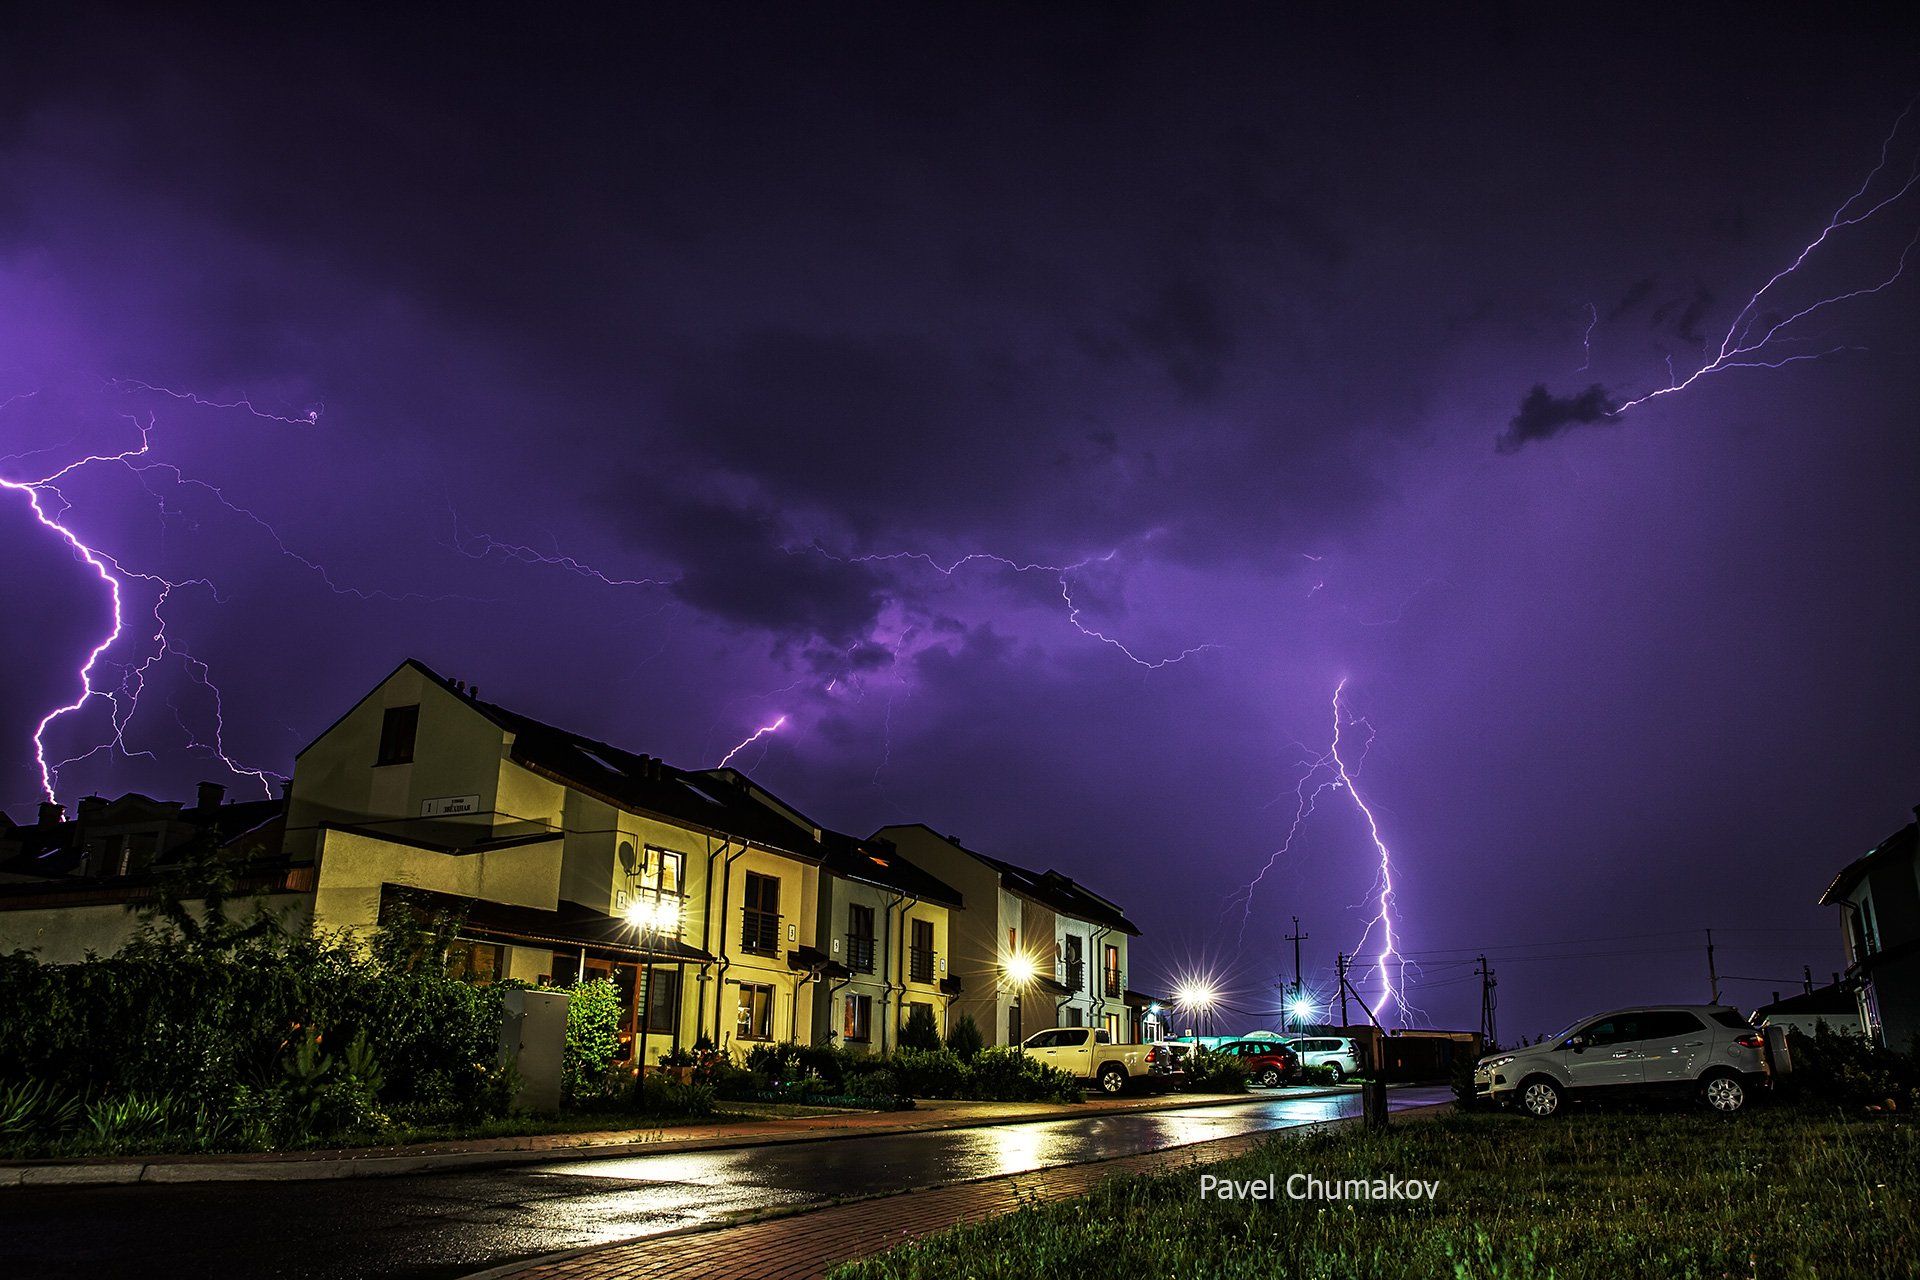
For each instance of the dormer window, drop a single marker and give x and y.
(397, 730)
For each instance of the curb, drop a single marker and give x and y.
(329, 1168)
(508, 1269)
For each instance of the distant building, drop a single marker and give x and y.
(1879, 900)
(1834, 1007)
(1033, 949)
(68, 886)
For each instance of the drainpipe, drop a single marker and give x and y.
(1097, 975)
(886, 963)
(706, 943)
(726, 962)
(905, 904)
(834, 989)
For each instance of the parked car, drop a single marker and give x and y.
(1268, 1062)
(1092, 1055)
(1707, 1051)
(1337, 1053)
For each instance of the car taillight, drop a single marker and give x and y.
(1752, 1040)
(1153, 1055)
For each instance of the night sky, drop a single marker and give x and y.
(595, 359)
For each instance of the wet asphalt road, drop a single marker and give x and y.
(451, 1224)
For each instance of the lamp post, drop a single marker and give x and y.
(1197, 996)
(650, 917)
(1018, 971)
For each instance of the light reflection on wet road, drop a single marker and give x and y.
(452, 1223)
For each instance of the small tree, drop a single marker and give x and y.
(921, 1032)
(964, 1038)
(593, 1037)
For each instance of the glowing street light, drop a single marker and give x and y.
(650, 917)
(1197, 995)
(1019, 968)
(1302, 1009)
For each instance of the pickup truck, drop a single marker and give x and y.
(1092, 1055)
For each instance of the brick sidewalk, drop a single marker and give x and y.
(807, 1244)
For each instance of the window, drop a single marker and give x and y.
(663, 1000)
(1620, 1030)
(755, 1020)
(1112, 1033)
(915, 1006)
(920, 953)
(859, 1029)
(760, 917)
(1665, 1024)
(1013, 941)
(1043, 1039)
(653, 876)
(859, 938)
(1075, 976)
(1728, 1018)
(1114, 987)
(1073, 1019)
(1013, 1023)
(396, 735)
(477, 961)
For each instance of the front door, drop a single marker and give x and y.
(1609, 1056)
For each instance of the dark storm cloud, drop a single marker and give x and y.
(1686, 313)
(1638, 292)
(1544, 415)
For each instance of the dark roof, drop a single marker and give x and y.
(877, 862)
(1899, 843)
(1820, 1000)
(1049, 888)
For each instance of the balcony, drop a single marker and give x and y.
(1076, 974)
(859, 953)
(920, 964)
(759, 930)
(1115, 988)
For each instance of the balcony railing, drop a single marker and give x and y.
(859, 953)
(920, 964)
(1076, 976)
(1116, 989)
(759, 930)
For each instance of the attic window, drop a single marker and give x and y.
(602, 762)
(703, 795)
(397, 730)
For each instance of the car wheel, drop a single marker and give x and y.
(1724, 1094)
(1541, 1097)
(1334, 1069)
(1113, 1078)
(1270, 1077)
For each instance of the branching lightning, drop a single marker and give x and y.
(50, 507)
(750, 739)
(1335, 769)
(1752, 336)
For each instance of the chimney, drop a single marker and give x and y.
(52, 811)
(90, 805)
(210, 795)
(286, 788)
(1836, 979)
(473, 691)
(460, 687)
(1776, 997)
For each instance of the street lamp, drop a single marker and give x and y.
(649, 917)
(1197, 994)
(1018, 970)
(1301, 1008)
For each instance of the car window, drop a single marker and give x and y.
(1728, 1018)
(1042, 1040)
(1617, 1030)
(1665, 1024)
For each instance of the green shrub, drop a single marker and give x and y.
(1215, 1073)
(1000, 1074)
(594, 1013)
(29, 1107)
(877, 1084)
(964, 1038)
(659, 1096)
(921, 1032)
(1833, 1069)
(931, 1073)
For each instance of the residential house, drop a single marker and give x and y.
(1833, 1007)
(1879, 899)
(1033, 949)
(888, 925)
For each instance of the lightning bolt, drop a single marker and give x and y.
(1334, 769)
(481, 546)
(750, 739)
(1751, 336)
(116, 579)
(1586, 339)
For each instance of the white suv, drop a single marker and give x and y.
(1335, 1052)
(1708, 1051)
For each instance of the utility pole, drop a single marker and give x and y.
(1489, 1033)
(1296, 938)
(1340, 969)
(1806, 977)
(1713, 975)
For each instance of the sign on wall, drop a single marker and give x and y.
(446, 806)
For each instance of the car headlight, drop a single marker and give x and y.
(1488, 1064)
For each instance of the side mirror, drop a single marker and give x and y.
(1576, 1043)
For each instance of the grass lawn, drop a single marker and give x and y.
(1775, 1192)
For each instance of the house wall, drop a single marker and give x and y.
(353, 867)
(977, 935)
(68, 934)
(889, 986)
(1890, 997)
(793, 1009)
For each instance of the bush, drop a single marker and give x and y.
(658, 1096)
(876, 1084)
(1007, 1075)
(1832, 1069)
(964, 1038)
(594, 1014)
(931, 1073)
(1215, 1073)
(921, 1032)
